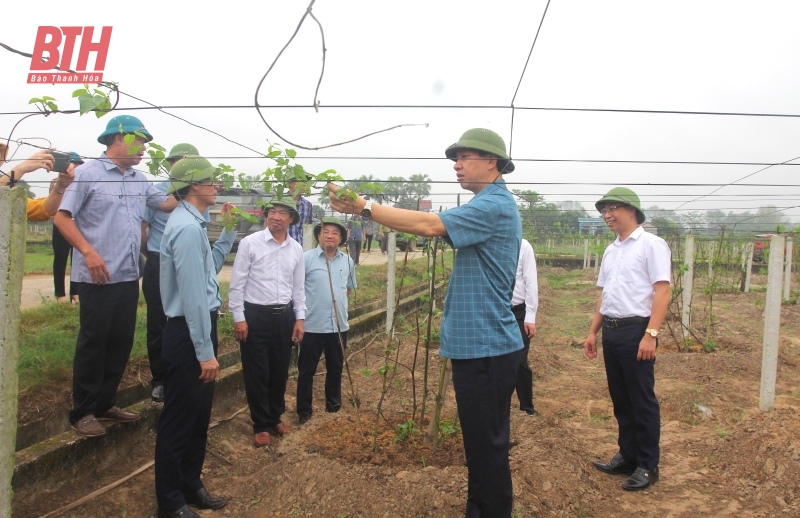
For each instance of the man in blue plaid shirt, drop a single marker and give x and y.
(304, 208)
(479, 332)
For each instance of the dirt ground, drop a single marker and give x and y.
(721, 456)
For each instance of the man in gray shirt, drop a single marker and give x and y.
(100, 217)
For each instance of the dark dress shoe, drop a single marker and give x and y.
(303, 418)
(183, 512)
(641, 479)
(202, 500)
(158, 394)
(616, 466)
(117, 414)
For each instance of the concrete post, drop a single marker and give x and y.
(787, 273)
(12, 255)
(596, 261)
(390, 280)
(308, 237)
(585, 254)
(688, 284)
(749, 272)
(772, 322)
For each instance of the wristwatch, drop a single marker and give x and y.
(367, 211)
(652, 332)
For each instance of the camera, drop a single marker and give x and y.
(61, 162)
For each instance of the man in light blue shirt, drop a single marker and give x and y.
(330, 275)
(191, 299)
(479, 332)
(100, 216)
(153, 226)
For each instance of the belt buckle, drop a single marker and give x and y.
(612, 323)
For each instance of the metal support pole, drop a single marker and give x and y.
(390, 281)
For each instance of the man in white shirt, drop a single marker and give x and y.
(524, 304)
(268, 303)
(635, 276)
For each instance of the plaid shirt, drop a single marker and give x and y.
(304, 208)
(487, 232)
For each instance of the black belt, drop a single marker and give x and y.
(214, 314)
(518, 307)
(624, 322)
(275, 309)
(152, 254)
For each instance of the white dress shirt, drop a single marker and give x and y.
(628, 272)
(526, 287)
(267, 273)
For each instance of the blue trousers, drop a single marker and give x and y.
(631, 385)
(182, 431)
(483, 389)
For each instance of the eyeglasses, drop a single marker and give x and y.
(609, 209)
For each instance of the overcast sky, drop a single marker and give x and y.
(696, 56)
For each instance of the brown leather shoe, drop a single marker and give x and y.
(262, 439)
(89, 427)
(119, 415)
(280, 429)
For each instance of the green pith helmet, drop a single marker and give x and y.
(283, 203)
(626, 196)
(331, 221)
(486, 140)
(123, 125)
(189, 170)
(181, 150)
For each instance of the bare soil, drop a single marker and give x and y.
(721, 456)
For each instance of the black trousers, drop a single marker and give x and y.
(265, 363)
(312, 347)
(156, 319)
(355, 250)
(524, 372)
(368, 243)
(182, 431)
(483, 389)
(105, 339)
(631, 385)
(62, 251)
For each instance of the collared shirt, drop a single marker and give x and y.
(487, 231)
(188, 274)
(628, 272)
(320, 316)
(157, 221)
(526, 287)
(267, 273)
(108, 205)
(356, 229)
(304, 208)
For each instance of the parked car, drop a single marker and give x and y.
(249, 200)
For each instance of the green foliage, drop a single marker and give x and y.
(96, 100)
(406, 430)
(447, 428)
(709, 345)
(44, 104)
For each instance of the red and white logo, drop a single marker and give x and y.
(49, 41)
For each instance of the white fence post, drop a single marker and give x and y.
(12, 255)
(787, 273)
(688, 284)
(390, 281)
(749, 272)
(585, 254)
(772, 323)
